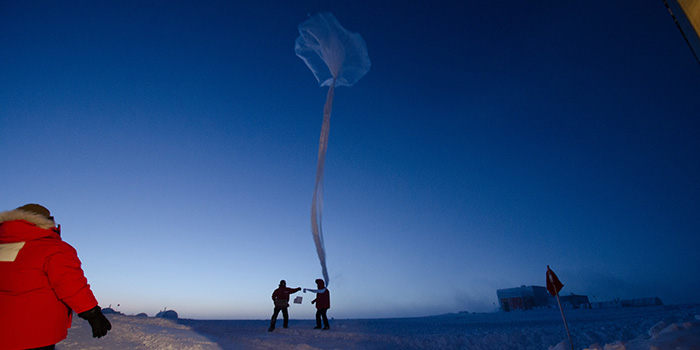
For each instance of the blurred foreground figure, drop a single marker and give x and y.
(323, 303)
(281, 299)
(41, 283)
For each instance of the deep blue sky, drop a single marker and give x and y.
(177, 142)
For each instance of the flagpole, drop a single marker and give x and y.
(554, 285)
(565, 324)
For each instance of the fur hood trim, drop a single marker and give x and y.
(36, 219)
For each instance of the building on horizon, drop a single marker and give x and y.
(534, 297)
(523, 298)
(649, 301)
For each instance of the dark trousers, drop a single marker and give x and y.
(285, 316)
(321, 313)
(48, 347)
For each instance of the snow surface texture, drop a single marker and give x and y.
(650, 328)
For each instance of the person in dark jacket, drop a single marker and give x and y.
(41, 283)
(323, 303)
(281, 299)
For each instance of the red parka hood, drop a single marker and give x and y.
(41, 281)
(21, 226)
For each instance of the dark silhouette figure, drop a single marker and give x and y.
(281, 299)
(323, 303)
(41, 283)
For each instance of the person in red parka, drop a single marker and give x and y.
(323, 303)
(281, 299)
(41, 283)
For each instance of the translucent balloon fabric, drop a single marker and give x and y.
(331, 51)
(336, 57)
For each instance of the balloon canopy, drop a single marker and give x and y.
(331, 51)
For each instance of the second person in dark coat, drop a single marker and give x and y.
(323, 303)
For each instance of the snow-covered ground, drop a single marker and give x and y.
(674, 327)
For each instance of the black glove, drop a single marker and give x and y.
(99, 323)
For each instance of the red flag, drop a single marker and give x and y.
(553, 283)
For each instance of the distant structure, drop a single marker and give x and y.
(651, 301)
(169, 314)
(536, 297)
(574, 301)
(522, 298)
(109, 310)
(532, 297)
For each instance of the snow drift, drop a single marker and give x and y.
(659, 328)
